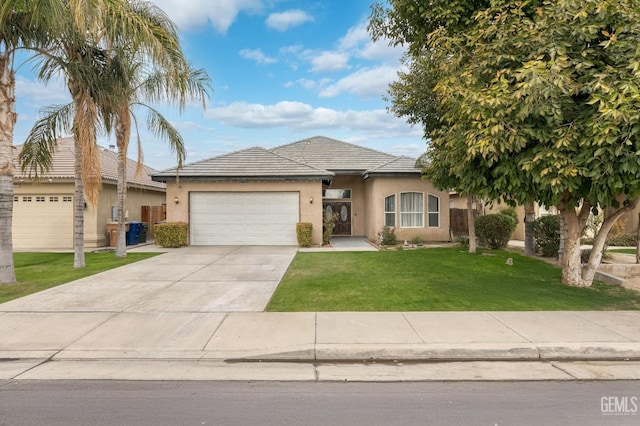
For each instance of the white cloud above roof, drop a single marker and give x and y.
(302, 116)
(282, 21)
(329, 61)
(196, 13)
(365, 82)
(257, 56)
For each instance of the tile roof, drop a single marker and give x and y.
(331, 154)
(251, 163)
(399, 165)
(63, 167)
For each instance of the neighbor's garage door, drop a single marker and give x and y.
(42, 221)
(244, 218)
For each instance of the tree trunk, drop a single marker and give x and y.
(563, 238)
(8, 118)
(78, 209)
(638, 241)
(471, 220)
(122, 139)
(574, 222)
(529, 239)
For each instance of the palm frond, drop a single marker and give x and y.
(165, 131)
(37, 152)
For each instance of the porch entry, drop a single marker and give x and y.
(343, 208)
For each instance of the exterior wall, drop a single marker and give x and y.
(136, 198)
(630, 220)
(457, 202)
(358, 200)
(310, 211)
(377, 188)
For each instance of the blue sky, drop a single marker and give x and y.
(281, 71)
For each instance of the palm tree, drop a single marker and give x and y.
(127, 93)
(132, 86)
(83, 57)
(26, 25)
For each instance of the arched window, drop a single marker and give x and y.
(433, 211)
(412, 209)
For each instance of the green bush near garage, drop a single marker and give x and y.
(171, 234)
(304, 232)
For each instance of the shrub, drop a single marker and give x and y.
(626, 240)
(304, 233)
(417, 240)
(546, 231)
(328, 225)
(463, 241)
(387, 236)
(511, 212)
(494, 230)
(171, 234)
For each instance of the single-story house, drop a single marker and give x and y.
(43, 209)
(256, 196)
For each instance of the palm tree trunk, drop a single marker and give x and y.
(121, 248)
(7, 122)
(78, 209)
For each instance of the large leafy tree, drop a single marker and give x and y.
(85, 59)
(537, 101)
(26, 25)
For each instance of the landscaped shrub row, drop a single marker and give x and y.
(171, 234)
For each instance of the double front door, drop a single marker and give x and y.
(343, 208)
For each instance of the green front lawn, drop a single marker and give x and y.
(625, 250)
(435, 279)
(39, 271)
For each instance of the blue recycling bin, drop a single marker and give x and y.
(133, 236)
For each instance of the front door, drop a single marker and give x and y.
(343, 208)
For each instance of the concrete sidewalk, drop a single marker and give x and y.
(296, 346)
(180, 316)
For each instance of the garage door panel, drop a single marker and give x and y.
(245, 218)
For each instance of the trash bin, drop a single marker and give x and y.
(143, 233)
(133, 236)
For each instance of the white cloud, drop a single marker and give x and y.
(303, 82)
(283, 21)
(196, 13)
(257, 56)
(359, 43)
(301, 116)
(366, 83)
(329, 61)
(355, 37)
(38, 94)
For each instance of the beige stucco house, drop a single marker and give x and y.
(43, 209)
(257, 195)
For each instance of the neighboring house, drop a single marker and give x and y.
(43, 209)
(257, 195)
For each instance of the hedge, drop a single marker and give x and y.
(304, 231)
(171, 234)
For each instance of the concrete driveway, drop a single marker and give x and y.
(189, 279)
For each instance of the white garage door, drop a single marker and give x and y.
(42, 221)
(244, 218)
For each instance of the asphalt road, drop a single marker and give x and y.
(261, 403)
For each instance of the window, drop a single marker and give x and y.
(336, 193)
(412, 209)
(53, 199)
(40, 199)
(67, 199)
(26, 199)
(390, 210)
(433, 211)
(16, 199)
